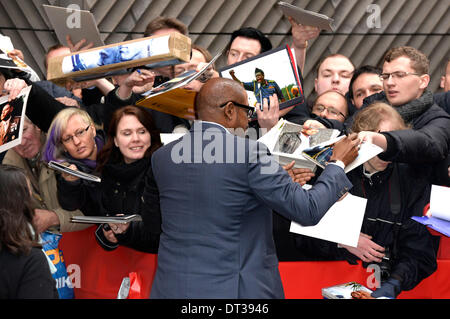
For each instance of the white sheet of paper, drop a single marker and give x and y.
(167, 138)
(341, 224)
(439, 206)
(81, 25)
(366, 152)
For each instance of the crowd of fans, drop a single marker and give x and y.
(96, 128)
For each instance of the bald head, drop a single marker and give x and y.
(331, 105)
(216, 92)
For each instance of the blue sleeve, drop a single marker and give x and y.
(273, 186)
(249, 86)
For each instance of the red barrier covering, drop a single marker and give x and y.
(305, 280)
(101, 272)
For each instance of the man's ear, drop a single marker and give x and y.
(229, 111)
(442, 82)
(425, 80)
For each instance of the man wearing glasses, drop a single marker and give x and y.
(405, 80)
(331, 105)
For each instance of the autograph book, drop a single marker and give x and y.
(124, 219)
(320, 154)
(287, 140)
(64, 169)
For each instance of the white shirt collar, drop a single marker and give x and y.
(213, 123)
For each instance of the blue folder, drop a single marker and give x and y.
(440, 225)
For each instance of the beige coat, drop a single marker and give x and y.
(44, 191)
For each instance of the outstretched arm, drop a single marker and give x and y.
(300, 36)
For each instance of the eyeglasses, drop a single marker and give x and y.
(331, 110)
(250, 110)
(396, 75)
(78, 134)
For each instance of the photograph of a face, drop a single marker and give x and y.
(273, 72)
(11, 120)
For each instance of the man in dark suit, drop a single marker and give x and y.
(217, 191)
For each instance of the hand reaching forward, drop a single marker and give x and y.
(13, 88)
(79, 46)
(139, 81)
(302, 33)
(367, 250)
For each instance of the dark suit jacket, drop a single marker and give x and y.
(216, 239)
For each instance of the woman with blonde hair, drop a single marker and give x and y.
(72, 138)
(123, 162)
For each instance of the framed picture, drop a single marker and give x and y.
(272, 72)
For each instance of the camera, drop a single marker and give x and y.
(385, 265)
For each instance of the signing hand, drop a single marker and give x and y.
(346, 150)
